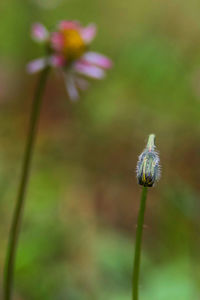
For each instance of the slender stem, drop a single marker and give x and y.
(17, 216)
(140, 222)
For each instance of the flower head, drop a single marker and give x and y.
(148, 168)
(68, 49)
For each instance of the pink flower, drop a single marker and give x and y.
(68, 50)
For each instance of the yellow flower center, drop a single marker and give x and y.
(74, 46)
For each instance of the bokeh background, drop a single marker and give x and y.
(78, 229)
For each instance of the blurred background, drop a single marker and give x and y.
(78, 229)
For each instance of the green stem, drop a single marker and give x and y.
(17, 216)
(140, 222)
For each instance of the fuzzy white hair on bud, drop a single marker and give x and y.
(148, 167)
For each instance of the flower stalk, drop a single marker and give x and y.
(18, 211)
(148, 172)
(138, 243)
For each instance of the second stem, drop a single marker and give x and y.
(138, 243)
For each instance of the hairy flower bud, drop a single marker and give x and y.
(148, 169)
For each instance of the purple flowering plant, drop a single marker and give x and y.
(67, 49)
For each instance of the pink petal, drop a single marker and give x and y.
(69, 25)
(39, 33)
(57, 60)
(36, 65)
(57, 41)
(98, 60)
(89, 70)
(71, 87)
(88, 33)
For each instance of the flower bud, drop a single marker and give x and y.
(148, 169)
